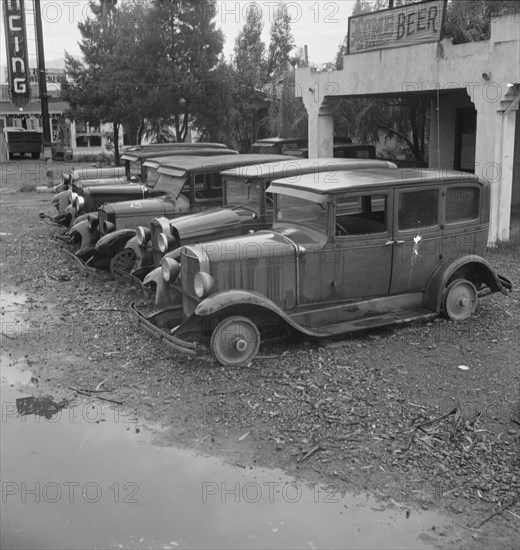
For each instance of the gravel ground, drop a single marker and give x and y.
(389, 410)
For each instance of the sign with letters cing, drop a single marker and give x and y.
(17, 52)
(406, 25)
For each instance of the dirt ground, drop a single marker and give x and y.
(388, 410)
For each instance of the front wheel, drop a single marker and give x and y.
(124, 260)
(235, 341)
(459, 300)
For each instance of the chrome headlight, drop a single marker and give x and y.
(143, 235)
(165, 241)
(73, 197)
(203, 284)
(170, 269)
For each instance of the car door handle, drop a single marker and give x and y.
(388, 243)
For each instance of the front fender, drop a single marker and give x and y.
(61, 200)
(114, 242)
(166, 295)
(248, 302)
(472, 266)
(83, 235)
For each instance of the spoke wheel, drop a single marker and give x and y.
(235, 341)
(124, 260)
(460, 300)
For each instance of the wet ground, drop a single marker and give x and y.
(84, 475)
(344, 413)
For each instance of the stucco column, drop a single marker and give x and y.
(321, 131)
(504, 157)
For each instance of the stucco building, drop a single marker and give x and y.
(474, 90)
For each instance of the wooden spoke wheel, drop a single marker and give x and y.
(124, 260)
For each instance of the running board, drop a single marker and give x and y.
(383, 320)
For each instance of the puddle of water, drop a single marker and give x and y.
(88, 477)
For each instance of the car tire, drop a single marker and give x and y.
(235, 341)
(459, 300)
(124, 260)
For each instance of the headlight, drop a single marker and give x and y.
(108, 227)
(165, 242)
(170, 269)
(66, 179)
(73, 197)
(80, 202)
(203, 284)
(143, 235)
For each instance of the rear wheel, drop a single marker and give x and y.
(460, 300)
(124, 260)
(235, 341)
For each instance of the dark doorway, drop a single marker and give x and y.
(465, 138)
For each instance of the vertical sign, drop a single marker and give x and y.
(17, 54)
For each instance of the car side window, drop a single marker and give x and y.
(207, 187)
(361, 215)
(462, 204)
(418, 209)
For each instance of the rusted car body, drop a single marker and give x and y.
(369, 249)
(72, 202)
(186, 184)
(247, 208)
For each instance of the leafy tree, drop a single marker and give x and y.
(183, 47)
(471, 21)
(281, 43)
(105, 85)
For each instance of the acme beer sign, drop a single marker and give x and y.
(406, 25)
(17, 55)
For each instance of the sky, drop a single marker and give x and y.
(319, 24)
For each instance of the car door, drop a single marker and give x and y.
(363, 249)
(417, 238)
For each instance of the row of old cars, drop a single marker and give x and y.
(241, 248)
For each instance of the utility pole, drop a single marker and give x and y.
(42, 81)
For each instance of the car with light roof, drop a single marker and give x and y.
(367, 249)
(247, 208)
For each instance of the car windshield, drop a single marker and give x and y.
(151, 176)
(134, 169)
(301, 211)
(243, 193)
(172, 185)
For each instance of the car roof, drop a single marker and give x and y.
(172, 150)
(267, 141)
(324, 183)
(181, 165)
(291, 167)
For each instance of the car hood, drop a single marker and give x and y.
(263, 245)
(205, 224)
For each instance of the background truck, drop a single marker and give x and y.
(19, 141)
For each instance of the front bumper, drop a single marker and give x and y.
(172, 314)
(135, 278)
(82, 266)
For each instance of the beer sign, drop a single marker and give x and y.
(17, 52)
(406, 25)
